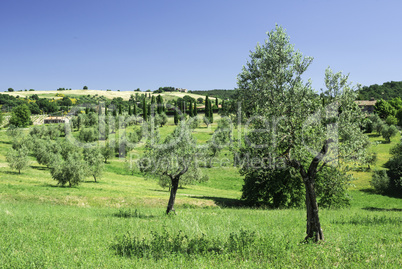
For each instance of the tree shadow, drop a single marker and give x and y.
(11, 172)
(373, 135)
(223, 202)
(58, 186)
(382, 209)
(389, 194)
(164, 190)
(369, 191)
(42, 168)
(90, 181)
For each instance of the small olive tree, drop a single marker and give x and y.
(70, 171)
(94, 162)
(175, 159)
(18, 158)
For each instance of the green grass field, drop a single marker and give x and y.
(120, 222)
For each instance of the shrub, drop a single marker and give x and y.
(164, 244)
(391, 120)
(388, 132)
(380, 181)
(395, 174)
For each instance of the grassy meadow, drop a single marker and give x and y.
(120, 222)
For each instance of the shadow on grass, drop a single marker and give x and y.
(223, 202)
(382, 209)
(164, 190)
(369, 191)
(37, 167)
(57, 186)
(373, 135)
(167, 190)
(11, 172)
(130, 213)
(392, 195)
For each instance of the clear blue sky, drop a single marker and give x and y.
(198, 45)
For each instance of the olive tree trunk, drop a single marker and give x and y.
(313, 230)
(173, 191)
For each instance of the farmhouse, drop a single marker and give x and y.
(367, 106)
(55, 120)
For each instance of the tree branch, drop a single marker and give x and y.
(312, 170)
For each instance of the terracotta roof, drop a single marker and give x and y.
(366, 103)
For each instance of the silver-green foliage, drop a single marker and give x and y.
(94, 162)
(18, 158)
(174, 161)
(70, 171)
(290, 125)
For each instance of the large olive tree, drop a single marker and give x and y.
(290, 125)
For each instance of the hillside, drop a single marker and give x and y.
(221, 94)
(119, 222)
(108, 94)
(386, 91)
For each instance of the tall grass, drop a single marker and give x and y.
(120, 223)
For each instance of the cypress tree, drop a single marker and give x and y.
(119, 109)
(161, 107)
(135, 110)
(105, 110)
(216, 102)
(195, 109)
(223, 106)
(211, 114)
(207, 110)
(191, 110)
(176, 117)
(144, 110)
(129, 110)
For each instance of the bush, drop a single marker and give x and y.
(164, 244)
(380, 181)
(391, 120)
(388, 132)
(395, 174)
(21, 116)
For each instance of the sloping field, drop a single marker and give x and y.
(108, 94)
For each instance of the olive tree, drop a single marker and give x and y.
(69, 171)
(94, 162)
(18, 158)
(290, 125)
(389, 131)
(175, 159)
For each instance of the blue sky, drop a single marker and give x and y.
(198, 45)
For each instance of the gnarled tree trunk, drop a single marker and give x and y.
(173, 191)
(313, 230)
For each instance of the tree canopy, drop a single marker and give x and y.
(289, 126)
(21, 116)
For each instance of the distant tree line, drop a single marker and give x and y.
(386, 91)
(221, 94)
